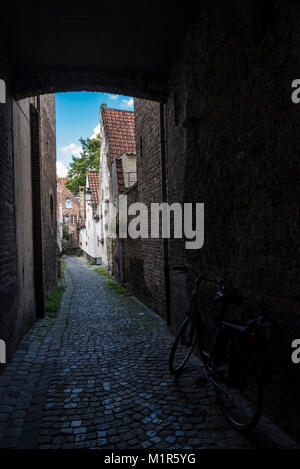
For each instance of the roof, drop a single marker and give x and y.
(120, 131)
(93, 180)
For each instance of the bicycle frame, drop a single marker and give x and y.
(207, 366)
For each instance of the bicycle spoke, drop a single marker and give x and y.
(242, 406)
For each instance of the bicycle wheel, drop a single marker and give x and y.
(183, 346)
(242, 407)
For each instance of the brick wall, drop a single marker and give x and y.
(26, 144)
(142, 260)
(233, 143)
(48, 188)
(147, 125)
(8, 254)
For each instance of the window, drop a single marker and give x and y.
(68, 203)
(73, 219)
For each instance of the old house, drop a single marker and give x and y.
(68, 214)
(90, 232)
(117, 169)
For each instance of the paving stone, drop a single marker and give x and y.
(96, 376)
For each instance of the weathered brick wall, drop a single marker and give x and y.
(48, 188)
(141, 261)
(17, 273)
(147, 128)
(24, 214)
(175, 167)
(236, 138)
(8, 254)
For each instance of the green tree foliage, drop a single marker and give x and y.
(88, 160)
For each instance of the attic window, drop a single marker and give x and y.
(68, 203)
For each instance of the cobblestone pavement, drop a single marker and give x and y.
(96, 376)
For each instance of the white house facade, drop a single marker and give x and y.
(90, 233)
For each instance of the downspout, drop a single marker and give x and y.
(164, 199)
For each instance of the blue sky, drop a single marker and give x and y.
(77, 115)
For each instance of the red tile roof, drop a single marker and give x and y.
(120, 131)
(93, 180)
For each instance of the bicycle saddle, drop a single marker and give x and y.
(241, 328)
(228, 298)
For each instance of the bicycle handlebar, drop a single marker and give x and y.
(201, 276)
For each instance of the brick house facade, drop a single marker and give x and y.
(68, 211)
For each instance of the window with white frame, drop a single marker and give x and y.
(68, 203)
(73, 219)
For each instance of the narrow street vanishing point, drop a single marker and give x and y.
(96, 376)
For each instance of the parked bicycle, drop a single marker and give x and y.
(235, 362)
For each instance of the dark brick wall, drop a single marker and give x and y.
(18, 308)
(48, 188)
(233, 143)
(8, 255)
(147, 128)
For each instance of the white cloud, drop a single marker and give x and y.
(96, 131)
(114, 96)
(72, 149)
(128, 103)
(61, 170)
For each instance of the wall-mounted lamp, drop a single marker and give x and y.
(88, 196)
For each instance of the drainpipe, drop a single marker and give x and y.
(164, 199)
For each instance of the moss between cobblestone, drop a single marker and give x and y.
(62, 267)
(53, 300)
(102, 271)
(112, 283)
(118, 288)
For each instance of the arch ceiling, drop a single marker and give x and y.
(116, 46)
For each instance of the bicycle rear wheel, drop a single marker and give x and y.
(243, 407)
(183, 346)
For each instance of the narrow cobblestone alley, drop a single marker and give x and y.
(96, 376)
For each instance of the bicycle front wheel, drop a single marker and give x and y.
(243, 407)
(183, 346)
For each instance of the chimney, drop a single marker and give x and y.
(82, 203)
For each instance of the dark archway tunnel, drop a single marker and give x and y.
(223, 71)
